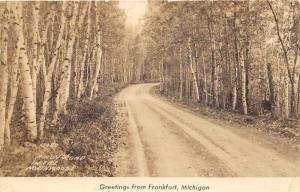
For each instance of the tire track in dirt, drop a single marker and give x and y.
(167, 139)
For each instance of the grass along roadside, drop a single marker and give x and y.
(287, 129)
(82, 143)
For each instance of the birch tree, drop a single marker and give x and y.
(231, 36)
(243, 86)
(49, 73)
(50, 51)
(36, 42)
(98, 55)
(193, 71)
(4, 69)
(64, 91)
(85, 53)
(13, 79)
(27, 89)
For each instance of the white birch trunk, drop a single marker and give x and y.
(286, 97)
(64, 90)
(49, 74)
(35, 66)
(78, 50)
(181, 74)
(243, 86)
(205, 81)
(193, 71)
(161, 76)
(26, 81)
(14, 80)
(85, 54)
(3, 73)
(42, 66)
(98, 55)
(215, 81)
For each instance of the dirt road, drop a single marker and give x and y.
(165, 140)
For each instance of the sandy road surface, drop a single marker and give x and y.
(165, 140)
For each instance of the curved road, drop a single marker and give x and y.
(166, 140)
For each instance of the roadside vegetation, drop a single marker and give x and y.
(239, 56)
(229, 58)
(87, 131)
(288, 129)
(61, 63)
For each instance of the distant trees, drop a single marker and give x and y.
(233, 55)
(53, 53)
(240, 56)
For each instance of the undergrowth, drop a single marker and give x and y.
(285, 128)
(87, 130)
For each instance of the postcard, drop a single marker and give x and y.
(150, 95)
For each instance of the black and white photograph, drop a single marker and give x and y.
(150, 88)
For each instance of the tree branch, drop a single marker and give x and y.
(281, 42)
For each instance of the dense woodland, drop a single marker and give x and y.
(240, 56)
(55, 53)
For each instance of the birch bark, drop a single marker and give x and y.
(98, 56)
(85, 54)
(243, 86)
(64, 90)
(35, 11)
(26, 81)
(48, 78)
(14, 80)
(193, 70)
(3, 73)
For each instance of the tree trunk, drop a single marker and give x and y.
(298, 97)
(286, 60)
(48, 78)
(234, 88)
(286, 98)
(181, 74)
(161, 72)
(193, 70)
(64, 90)
(98, 57)
(26, 81)
(247, 54)
(13, 84)
(271, 87)
(79, 49)
(205, 81)
(85, 54)
(3, 72)
(243, 86)
(278, 98)
(214, 78)
(36, 40)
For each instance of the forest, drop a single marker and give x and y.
(53, 53)
(63, 62)
(57, 56)
(240, 56)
